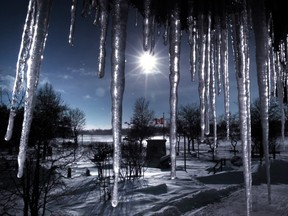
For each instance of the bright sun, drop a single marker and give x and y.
(147, 62)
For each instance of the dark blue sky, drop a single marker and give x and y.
(72, 70)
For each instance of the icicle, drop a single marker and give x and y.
(225, 74)
(283, 120)
(286, 43)
(273, 60)
(33, 69)
(72, 22)
(207, 77)
(280, 91)
(243, 114)
(240, 49)
(201, 72)
(282, 52)
(165, 35)
(218, 54)
(269, 71)
(174, 52)
(270, 59)
(136, 18)
(119, 25)
(152, 35)
(158, 29)
(247, 23)
(103, 34)
(146, 24)
(96, 16)
(274, 73)
(283, 116)
(93, 3)
(85, 8)
(192, 42)
(10, 124)
(21, 65)
(261, 41)
(213, 89)
(247, 78)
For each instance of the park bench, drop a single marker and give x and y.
(218, 166)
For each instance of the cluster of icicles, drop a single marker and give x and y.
(208, 56)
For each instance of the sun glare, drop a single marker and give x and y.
(148, 63)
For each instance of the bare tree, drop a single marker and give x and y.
(188, 123)
(274, 126)
(48, 113)
(41, 174)
(141, 127)
(78, 121)
(34, 188)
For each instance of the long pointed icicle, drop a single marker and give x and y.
(207, 76)
(225, 74)
(119, 25)
(21, 65)
(165, 33)
(218, 54)
(261, 41)
(33, 68)
(201, 73)
(85, 8)
(192, 42)
(283, 120)
(103, 34)
(152, 35)
(281, 98)
(270, 59)
(280, 92)
(247, 25)
(146, 24)
(136, 18)
(72, 22)
(284, 94)
(272, 62)
(174, 51)
(96, 16)
(240, 48)
(213, 89)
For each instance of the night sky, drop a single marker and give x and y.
(72, 70)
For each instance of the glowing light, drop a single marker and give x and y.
(148, 63)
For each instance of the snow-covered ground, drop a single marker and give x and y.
(194, 191)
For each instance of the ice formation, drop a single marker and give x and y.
(72, 22)
(21, 65)
(30, 57)
(174, 51)
(240, 35)
(261, 41)
(119, 24)
(103, 20)
(208, 25)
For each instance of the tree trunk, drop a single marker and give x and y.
(76, 138)
(25, 188)
(193, 144)
(26, 205)
(45, 143)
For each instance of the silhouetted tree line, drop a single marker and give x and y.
(51, 119)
